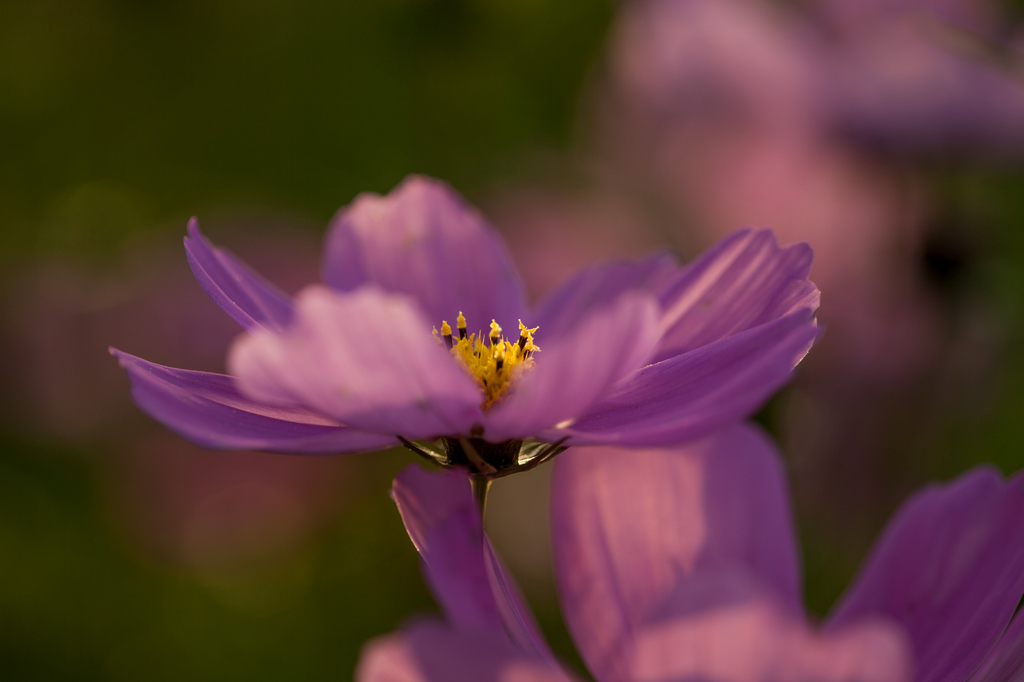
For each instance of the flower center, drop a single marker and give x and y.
(494, 362)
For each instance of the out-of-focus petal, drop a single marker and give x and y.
(208, 410)
(950, 569)
(911, 90)
(423, 240)
(629, 525)
(744, 281)
(722, 632)
(365, 358)
(465, 574)
(429, 652)
(699, 60)
(691, 395)
(593, 287)
(577, 368)
(442, 521)
(1006, 662)
(249, 299)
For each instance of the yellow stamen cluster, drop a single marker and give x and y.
(491, 360)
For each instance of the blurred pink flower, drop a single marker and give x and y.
(61, 316)
(719, 104)
(553, 237)
(802, 118)
(928, 77)
(682, 564)
(214, 511)
(206, 510)
(914, 77)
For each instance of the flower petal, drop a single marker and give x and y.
(593, 287)
(744, 281)
(950, 568)
(429, 652)
(628, 525)
(442, 521)
(1006, 662)
(691, 395)
(249, 299)
(577, 368)
(208, 410)
(951, 103)
(423, 240)
(463, 571)
(728, 633)
(364, 358)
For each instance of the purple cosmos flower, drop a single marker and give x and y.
(644, 353)
(681, 564)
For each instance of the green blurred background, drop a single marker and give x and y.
(133, 114)
(119, 120)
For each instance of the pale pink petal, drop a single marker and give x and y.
(729, 633)
(366, 359)
(577, 369)
(430, 652)
(423, 240)
(628, 525)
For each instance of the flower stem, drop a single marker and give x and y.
(480, 485)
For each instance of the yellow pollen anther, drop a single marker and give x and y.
(493, 361)
(525, 335)
(526, 331)
(446, 332)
